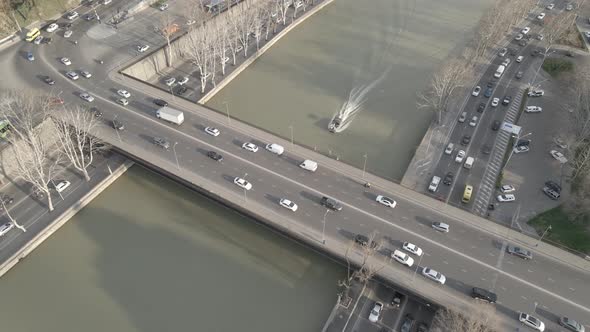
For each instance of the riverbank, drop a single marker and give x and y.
(49, 222)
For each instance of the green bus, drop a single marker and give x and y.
(4, 128)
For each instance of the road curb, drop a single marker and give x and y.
(63, 218)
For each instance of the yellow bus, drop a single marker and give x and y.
(467, 194)
(31, 35)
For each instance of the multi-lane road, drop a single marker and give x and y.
(468, 256)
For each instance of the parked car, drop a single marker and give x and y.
(558, 156)
(533, 109)
(163, 7)
(6, 227)
(506, 198)
(506, 189)
(68, 33)
(481, 107)
(495, 102)
(142, 48)
(531, 322)
(519, 75)
(170, 81)
(49, 80)
(449, 149)
(412, 248)
(519, 37)
(541, 16)
(519, 58)
(62, 185)
(52, 27)
(571, 324)
(85, 74)
(181, 90)
(376, 312)
(476, 91)
(118, 124)
(183, 80)
(519, 252)
(550, 6)
(488, 92)
(407, 323)
(482, 294)
(462, 117)
(123, 101)
(467, 138)
(473, 123)
(503, 51)
(448, 180)
(525, 30)
(536, 93)
(72, 15)
(460, 156)
(72, 75)
(402, 258)
(363, 241)
(65, 61)
(87, 97)
(521, 149)
(486, 149)
(397, 299)
(506, 100)
(496, 125)
(434, 275)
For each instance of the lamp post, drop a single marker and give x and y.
(291, 127)
(542, 236)
(535, 310)
(418, 265)
(117, 129)
(364, 166)
(245, 198)
(324, 227)
(518, 138)
(175, 155)
(227, 112)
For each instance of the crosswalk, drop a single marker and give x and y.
(488, 182)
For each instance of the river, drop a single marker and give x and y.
(151, 255)
(304, 79)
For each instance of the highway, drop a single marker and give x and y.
(468, 256)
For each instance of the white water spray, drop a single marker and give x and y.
(356, 99)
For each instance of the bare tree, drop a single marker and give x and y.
(282, 7)
(4, 208)
(366, 267)
(198, 48)
(167, 28)
(221, 42)
(32, 139)
(480, 317)
(75, 128)
(442, 86)
(556, 28)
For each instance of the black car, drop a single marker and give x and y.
(496, 125)
(364, 241)
(569, 53)
(551, 193)
(486, 149)
(506, 100)
(214, 155)
(519, 75)
(97, 113)
(448, 178)
(407, 323)
(49, 80)
(330, 203)
(181, 90)
(422, 327)
(161, 102)
(118, 125)
(482, 294)
(535, 52)
(89, 17)
(66, 25)
(7, 200)
(397, 299)
(522, 43)
(553, 185)
(481, 107)
(466, 140)
(46, 40)
(512, 51)
(523, 142)
(488, 92)
(161, 142)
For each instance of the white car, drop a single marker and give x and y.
(460, 156)
(38, 40)
(4, 228)
(212, 131)
(531, 322)
(506, 198)
(62, 185)
(170, 81)
(250, 147)
(495, 102)
(142, 48)
(521, 149)
(520, 58)
(123, 93)
(520, 36)
(434, 275)
(87, 97)
(473, 121)
(441, 226)
(558, 156)
(587, 34)
(412, 248)
(569, 7)
(449, 149)
(541, 16)
(525, 30)
(505, 189)
(72, 16)
(72, 75)
(65, 61)
(536, 93)
(503, 51)
(376, 312)
(540, 36)
(183, 80)
(550, 6)
(190, 22)
(402, 258)
(123, 101)
(106, 2)
(85, 73)
(506, 62)
(287, 204)
(476, 91)
(533, 109)
(243, 183)
(164, 7)
(52, 27)
(386, 201)
(68, 33)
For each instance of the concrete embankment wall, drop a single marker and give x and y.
(63, 218)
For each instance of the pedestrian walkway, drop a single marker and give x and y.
(495, 163)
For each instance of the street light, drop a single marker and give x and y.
(175, 155)
(418, 265)
(364, 166)
(117, 129)
(518, 138)
(291, 127)
(227, 112)
(542, 236)
(536, 304)
(245, 198)
(324, 227)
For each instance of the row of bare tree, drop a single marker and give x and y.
(497, 23)
(44, 135)
(215, 41)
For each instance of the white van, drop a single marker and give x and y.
(499, 71)
(275, 148)
(434, 184)
(469, 162)
(309, 165)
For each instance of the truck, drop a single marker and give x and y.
(171, 115)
